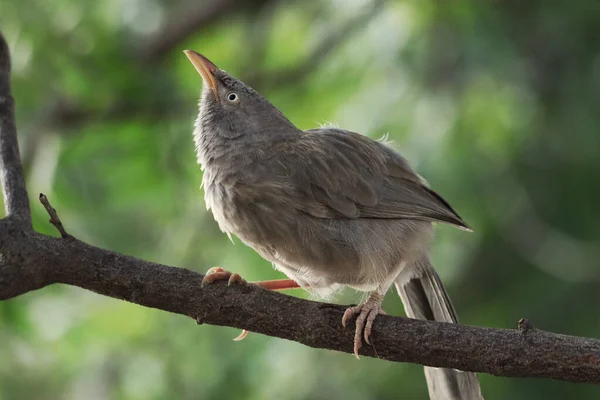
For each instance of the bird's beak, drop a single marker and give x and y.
(206, 68)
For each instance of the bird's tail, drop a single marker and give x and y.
(424, 297)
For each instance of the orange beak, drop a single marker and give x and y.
(206, 68)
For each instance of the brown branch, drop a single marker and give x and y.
(16, 202)
(30, 261)
(54, 220)
(187, 20)
(40, 260)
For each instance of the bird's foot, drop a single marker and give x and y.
(215, 274)
(365, 315)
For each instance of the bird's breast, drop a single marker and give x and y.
(221, 203)
(239, 211)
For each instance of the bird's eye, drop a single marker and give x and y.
(232, 97)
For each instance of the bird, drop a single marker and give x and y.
(328, 207)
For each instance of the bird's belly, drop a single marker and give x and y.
(310, 255)
(357, 253)
(321, 252)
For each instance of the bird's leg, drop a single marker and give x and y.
(277, 284)
(219, 274)
(365, 314)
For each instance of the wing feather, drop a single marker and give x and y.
(340, 174)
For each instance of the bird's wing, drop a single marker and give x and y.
(340, 174)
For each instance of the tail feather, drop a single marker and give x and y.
(424, 297)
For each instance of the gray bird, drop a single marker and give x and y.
(328, 207)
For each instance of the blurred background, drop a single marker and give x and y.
(495, 103)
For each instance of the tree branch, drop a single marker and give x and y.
(186, 20)
(41, 260)
(16, 202)
(30, 261)
(316, 57)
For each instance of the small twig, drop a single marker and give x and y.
(525, 325)
(54, 220)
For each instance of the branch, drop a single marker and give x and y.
(30, 261)
(187, 20)
(43, 260)
(54, 220)
(318, 54)
(16, 202)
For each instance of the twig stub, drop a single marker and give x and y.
(525, 325)
(54, 220)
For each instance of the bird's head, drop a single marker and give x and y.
(230, 109)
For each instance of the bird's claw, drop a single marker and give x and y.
(365, 315)
(215, 274)
(241, 336)
(236, 279)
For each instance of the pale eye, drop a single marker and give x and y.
(233, 97)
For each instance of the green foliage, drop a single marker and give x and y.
(495, 103)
